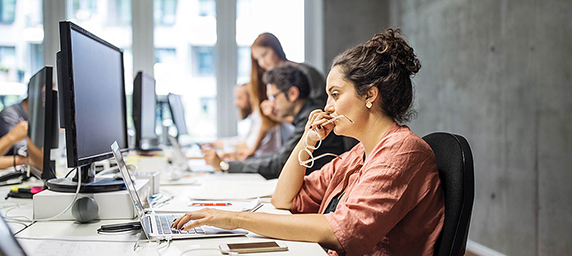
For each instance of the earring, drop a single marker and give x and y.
(368, 104)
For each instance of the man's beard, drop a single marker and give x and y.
(245, 112)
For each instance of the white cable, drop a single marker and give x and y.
(78, 171)
(165, 248)
(199, 249)
(77, 240)
(113, 169)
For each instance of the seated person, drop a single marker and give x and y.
(384, 196)
(18, 133)
(245, 144)
(289, 89)
(10, 117)
(267, 53)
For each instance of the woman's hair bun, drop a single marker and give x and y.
(391, 43)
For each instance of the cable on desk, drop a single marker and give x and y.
(198, 249)
(73, 200)
(18, 219)
(76, 240)
(166, 247)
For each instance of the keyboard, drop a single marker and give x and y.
(165, 221)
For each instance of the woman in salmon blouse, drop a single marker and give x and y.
(384, 196)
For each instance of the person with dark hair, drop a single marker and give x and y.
(267, 54)
(10, 117)
(288, 87)
(384, 196)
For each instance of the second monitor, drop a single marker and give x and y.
(144, 112)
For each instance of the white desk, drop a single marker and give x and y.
(71, 238)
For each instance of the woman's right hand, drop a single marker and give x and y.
(19, 132)
(315, 123)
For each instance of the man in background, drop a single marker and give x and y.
(289, 89)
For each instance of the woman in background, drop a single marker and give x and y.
(266, 54)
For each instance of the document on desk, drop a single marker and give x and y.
(234, 190)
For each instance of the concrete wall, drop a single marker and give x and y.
(498, 73)
(349, 23)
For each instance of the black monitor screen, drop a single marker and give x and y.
(178, 113)
(146, 103)
(97, 84)
(42, 123)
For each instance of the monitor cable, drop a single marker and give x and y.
(72, 201)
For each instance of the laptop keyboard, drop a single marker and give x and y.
(164, 223)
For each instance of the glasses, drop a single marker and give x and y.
(310, 162)
(272, 97)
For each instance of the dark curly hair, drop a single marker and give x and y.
(286, 76)
(387, 62)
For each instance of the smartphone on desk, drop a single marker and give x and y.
(272, 246)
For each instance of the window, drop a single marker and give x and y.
(185, 61)
(109, 20)
(21, 53)
(120, 12)
(7, 11)
(207, 8)
(165, 12)
(202, 61)
(283, 18)
(82, 10)
(165, 55)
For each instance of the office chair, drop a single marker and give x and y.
(455, 164)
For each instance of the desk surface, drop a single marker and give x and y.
(73, 238)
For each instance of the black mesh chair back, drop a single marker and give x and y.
(455, 164)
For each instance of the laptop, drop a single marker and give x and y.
(158, 226)
(193, 165)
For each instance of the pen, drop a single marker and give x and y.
(211, 204)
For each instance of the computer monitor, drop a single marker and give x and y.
(94, 111)
(144, 110)
(178, 113)
(43, 128)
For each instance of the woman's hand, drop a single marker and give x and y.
(315, 123)
(209, 217)
(19, 132)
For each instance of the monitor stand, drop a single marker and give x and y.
(89, 183)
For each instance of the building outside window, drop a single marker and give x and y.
(283, 18)
(21, 53)
(188, 30)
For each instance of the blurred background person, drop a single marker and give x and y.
(10, 117)
(15, 135)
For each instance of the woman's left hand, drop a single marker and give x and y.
(209, 217)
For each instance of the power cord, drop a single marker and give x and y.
(204, 249)
(73, 200)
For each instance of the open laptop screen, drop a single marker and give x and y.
(128, 180)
